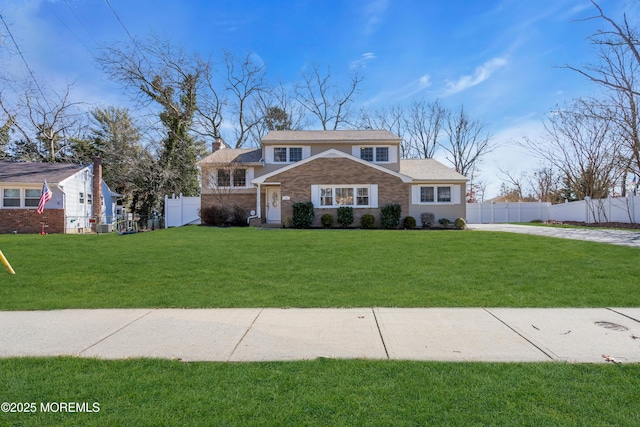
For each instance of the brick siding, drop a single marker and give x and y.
(27, 221)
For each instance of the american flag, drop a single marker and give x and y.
(45, 196)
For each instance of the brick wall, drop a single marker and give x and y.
(27, 221)
(245, 200)
(296, 183)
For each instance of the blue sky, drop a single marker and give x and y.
(497, 57)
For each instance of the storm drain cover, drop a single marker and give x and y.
(612, 326)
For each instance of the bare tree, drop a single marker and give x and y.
(467, 142)
(582, 146)
(46, 123)
(390, 118)
(278, 110)
(325, 99)
(424, 121)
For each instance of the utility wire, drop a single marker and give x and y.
(135, 43)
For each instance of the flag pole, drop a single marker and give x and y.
(6, 263)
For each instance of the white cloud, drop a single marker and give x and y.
(405, 91)
(481, 74)
(364, 60)
(374, 12)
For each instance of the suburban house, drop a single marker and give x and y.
(357, 168)
(80, 198)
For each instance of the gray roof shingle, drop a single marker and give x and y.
(429, 170)
(333, 136)
(36, 173)
(233, 155)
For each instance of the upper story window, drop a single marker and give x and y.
(287, 154)
(374, 154)
(80, 197)
(236, 177)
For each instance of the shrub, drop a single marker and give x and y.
(302, 214)
(409, 222)
(444, 222)
(427, 219)
(214, 215)
(390, 215)
(537, 221)
(326, 220)
(460, 224)
(288, 222)
(345, 216)
(239, 216)
(367, 221)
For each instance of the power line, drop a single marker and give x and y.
(23, 58)
(122, 24)
(71, 31)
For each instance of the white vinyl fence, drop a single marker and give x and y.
(181, 210)
(619, 209)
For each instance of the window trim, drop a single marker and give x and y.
(288, 154)
(453, 193)
(318, 193)
(212, 181)
(22, 197)
(391, 153)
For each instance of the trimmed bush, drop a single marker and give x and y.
(460, 224)
(288, 222)
(444, 222)
(214, 215)
(428, 219)
(239, 216)
(326, 220)
(345, 216)
(409, 222)
(367, 221)
(302, 214)
(390, 215)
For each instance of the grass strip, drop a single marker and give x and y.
(321, 392)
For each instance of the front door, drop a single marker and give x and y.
(272, 204)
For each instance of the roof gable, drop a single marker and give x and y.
(233, 155)
(328, 154)
(429, 170)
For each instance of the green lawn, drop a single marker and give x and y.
(322, 392)
(247, 267)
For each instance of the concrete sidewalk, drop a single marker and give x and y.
(254, 334)
(613, 237)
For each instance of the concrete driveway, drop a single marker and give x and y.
(614, 237)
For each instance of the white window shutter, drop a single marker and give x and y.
(355, 151)
(306, 151)
(315, 195)
(268, 154)
(415, 194)
(250, 176)
(373, 195)
(393, 154)
(455, 194)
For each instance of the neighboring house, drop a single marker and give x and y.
(357, 168)
(72, 207)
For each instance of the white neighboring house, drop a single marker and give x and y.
(71, 208)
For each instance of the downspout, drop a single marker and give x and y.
(253, 213)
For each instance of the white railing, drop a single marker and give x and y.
(618, 209)
(179, 210)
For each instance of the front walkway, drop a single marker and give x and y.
(614, 237)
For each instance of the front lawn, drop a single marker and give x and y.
(247, 267)
(321, 392)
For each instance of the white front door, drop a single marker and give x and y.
(272, 204)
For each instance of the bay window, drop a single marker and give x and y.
(334, 196)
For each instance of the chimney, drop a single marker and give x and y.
(217, 144)
(97, 190)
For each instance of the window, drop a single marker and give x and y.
(287, 154)
(427, 195)
(363, 197)
(326, 196)
(433, 194)
(11, 198)
(374, 154)
(366, 153)
(444, 194)
(336, 196)
(280, 155)
(240, 178)
(31, 198)
(89, 199)
(295, 154)
(224, 178)
(382, 154)
(81, 198)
